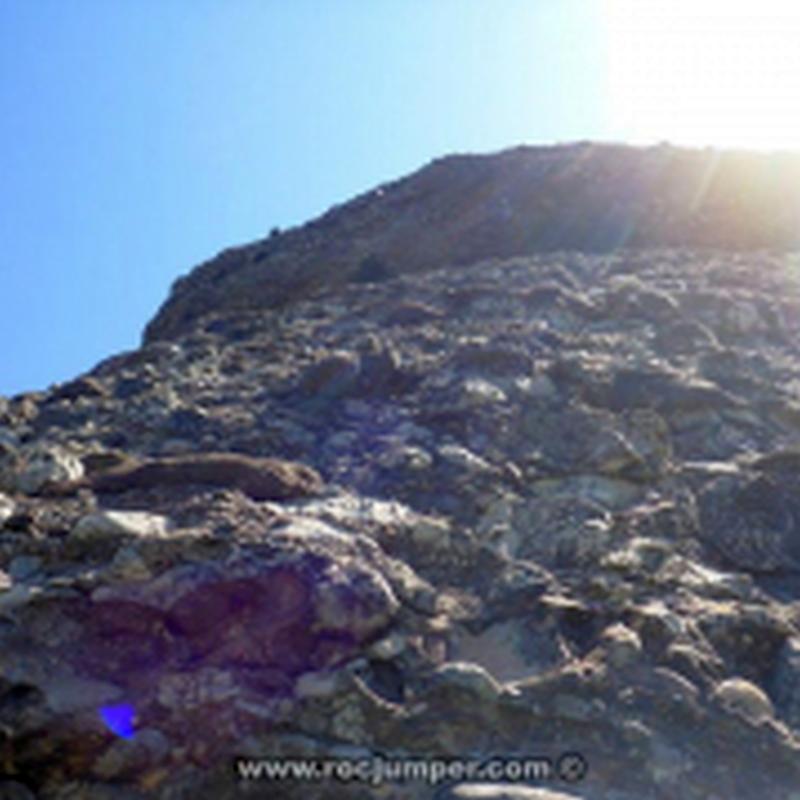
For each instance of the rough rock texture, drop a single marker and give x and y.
(530, 526)
(464, 208)
(259, 478)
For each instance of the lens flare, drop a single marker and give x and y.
(119, 719)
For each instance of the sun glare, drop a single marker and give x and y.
(704, 72)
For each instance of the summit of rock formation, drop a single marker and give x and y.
(465, 208)
(485, 484)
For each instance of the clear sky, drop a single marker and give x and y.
(141, 137)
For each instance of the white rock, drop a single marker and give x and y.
(480, 392)
(111, 524)
(470, 677)
(742, 697)
(46, 464)
(500, 650)
(317, 684)
(431, 532)
(6, 508)
(622, 644)
(357, 600)
(464, 459)
(389, 647)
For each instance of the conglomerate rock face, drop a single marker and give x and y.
(536, 527)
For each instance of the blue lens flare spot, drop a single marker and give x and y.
(119, 719)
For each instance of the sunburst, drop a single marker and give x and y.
(704, 72)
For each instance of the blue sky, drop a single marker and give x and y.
(141, 137)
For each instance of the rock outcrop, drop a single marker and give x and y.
(466, 208)
(258, 478)
(419, 512)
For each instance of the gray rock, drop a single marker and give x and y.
(552, 529)
(333, 376)
(785, 684)
(380, 368)
(685, 337)
(751, 521)
(631, 297)
(21, 568)
(666, 392)
(128, 757)
(12, 790)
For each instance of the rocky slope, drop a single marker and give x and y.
(462, 209)
(406, 503)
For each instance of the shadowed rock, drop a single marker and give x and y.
(259, 478)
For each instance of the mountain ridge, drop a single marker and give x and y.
(469, 207)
